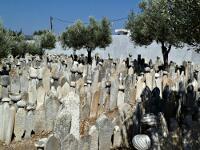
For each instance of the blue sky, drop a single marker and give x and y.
(31, 15)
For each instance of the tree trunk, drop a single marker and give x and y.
(89, 56)
(165, 53)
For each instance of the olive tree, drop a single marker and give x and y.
(154, 23)
(5, 39)
(95, 34)
(48, 40)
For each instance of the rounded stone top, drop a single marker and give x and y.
(6, 99)
(18, 63)
(15, 96)
(108, 83)
(100, 63)
(121, 87)
(21, 103)
(41, 143)
(147, 69)
(89, 81)
(30, 107)
(165, 73)
(142, 73)
(73, 84)
(157, 75)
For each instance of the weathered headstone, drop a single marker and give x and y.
(70, 143)
(72, 104)
(53, 143)
(62, 124)
(105, 130)
(93, 132)
(19, 127)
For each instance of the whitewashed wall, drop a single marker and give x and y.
(121, 46)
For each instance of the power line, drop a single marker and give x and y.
(72, 22)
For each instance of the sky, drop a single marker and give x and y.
(32, 15)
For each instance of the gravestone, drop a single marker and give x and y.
(84, 143)
(51, 109)
(121, 95)
(6, 116)
(14, 82)
(113, 93)
(93, 132)
(40, 97)
(40, 121)
(62, 124)
(46, 79)
(117, 137)
(127, 90)
(32, 93)
(70, 143)
(1, 120)
(105, 130)
(29, 123)
(24, 81)
(53, 143)
(10, 127)
(94, 105)
(19, 127)
(140, 86)
(65, 89)
(72, 103)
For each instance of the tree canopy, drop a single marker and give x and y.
(186, 15)
(95, 34)
(154, 23)
(168, 22)
(48, 40)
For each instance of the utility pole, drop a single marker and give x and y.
(51, 23)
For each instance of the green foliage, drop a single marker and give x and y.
(4, 43)
(74, 36)
(96, 34)
(48, 40)
(155, 23)
(40, 32)
(186, 15)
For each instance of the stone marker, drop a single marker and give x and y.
(62, 124)
(19, 128)
(93, 132)
(105, 130)
(70, 143)
(53, 143)
(94, 105)
(10, 127)
(117, 137)
(72, 104)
